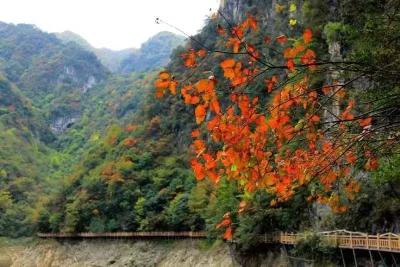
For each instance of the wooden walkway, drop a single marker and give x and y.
(344, 239)
(340, 238)
(132, 235)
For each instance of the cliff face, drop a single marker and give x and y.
(273, 15)
(236, 10)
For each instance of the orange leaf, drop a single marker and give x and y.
(210, 162)
(189, 58)
(326, 89)
(200, 113)
(346, 115)
(309, 57)
(228, 233)
(307, 35)
(372, 164)
(351, 158)
(288, 53)
(194, 100)
(225, 222)
(214, 105)
(172, 87)
(164, 75)
(159, 92)
(252, 22)
(235, 43)
(365, 122)
(198, 169)
(228, 63)
(315, 118)
(202, 52)
(205, 85)
(199, 146)
(214, 177)
(196, 133)
(162, 84)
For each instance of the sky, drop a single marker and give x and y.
(115, 24)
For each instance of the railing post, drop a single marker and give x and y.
(336, 240)
(390, 242)
(351, 240)
(367, 241)
(378, 242)
(398, 243)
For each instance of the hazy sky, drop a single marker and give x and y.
(114, 24)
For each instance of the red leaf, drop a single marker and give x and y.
(290, 65)
(228, 233)
(281, 39)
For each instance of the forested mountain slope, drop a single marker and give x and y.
(57, 100)
(26, 162)
(53, 75)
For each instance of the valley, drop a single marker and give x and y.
(277, 116)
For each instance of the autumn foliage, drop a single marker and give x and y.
(277, 145)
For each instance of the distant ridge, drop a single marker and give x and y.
(154, 53)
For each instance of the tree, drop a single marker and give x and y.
(298, 131)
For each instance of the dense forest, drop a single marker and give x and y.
(88, 143)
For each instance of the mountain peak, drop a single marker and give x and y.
(153, 53)
(69, 36)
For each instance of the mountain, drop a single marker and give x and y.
(39, 62)
(83, 149)
(26, 162)
(140, 160)
(61, 108)
(53, 75)
(68, 36)
(154, 53)
(110, 58)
